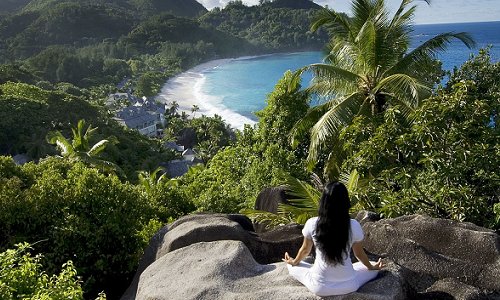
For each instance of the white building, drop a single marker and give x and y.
(141, 114)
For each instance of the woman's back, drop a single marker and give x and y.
(322, 269)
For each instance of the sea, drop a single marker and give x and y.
(236, 88)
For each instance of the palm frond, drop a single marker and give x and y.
(304, 125)
(302, 193)
(267, 218)
(367, 41)
(419, 56)
(298, 214)
(98, 148)
(402, 87)
(293, 83)
(333, 121)
(64, 146)
(336, 23)
(332, 79)
(350, 180)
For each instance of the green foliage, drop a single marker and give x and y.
(23, 277)
(15, 73)
(79, 148)
(28, 113)
(445, 164)
(63, 23)
(286, 105)
(78, 214)
(149, 84)
(164, 195)
(234, 177)
(267, 27)
(369, 67)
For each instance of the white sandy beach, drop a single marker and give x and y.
(186, 89)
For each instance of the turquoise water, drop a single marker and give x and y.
(241, 86)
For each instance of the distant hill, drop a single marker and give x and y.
(183, 8)
(280, 25)
(29, 32)
(9, 6)
(295, 4)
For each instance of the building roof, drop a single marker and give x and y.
(176, 168)
(134, 116)
(112, 98)
(173, 145)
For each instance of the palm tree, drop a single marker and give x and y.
(148, 180)
(368, 68)
(303, 201)
(79, 149)
(194, 109)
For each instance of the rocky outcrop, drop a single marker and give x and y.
(227, 270)
(268, 200)
(192, 229)
(442, 257)
(215, 256)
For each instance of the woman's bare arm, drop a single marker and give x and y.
(359, 252)
(304, 250)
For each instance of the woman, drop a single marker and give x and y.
(333, 233)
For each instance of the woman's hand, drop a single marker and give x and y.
(289, 260)
(378, 265)
(304, 250)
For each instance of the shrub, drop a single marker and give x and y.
(22, 277)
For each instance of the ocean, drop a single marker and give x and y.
(236, 88)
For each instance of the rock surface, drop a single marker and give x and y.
(215, 256)
(268, 200)
(266, 248)
(438, 251)
(227, 270)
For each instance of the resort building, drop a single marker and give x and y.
(179, 167)
(141, 114)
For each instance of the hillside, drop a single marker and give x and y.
(29, 32)
(273, 26)
(9, 6)
(184, 8)
(295, 4)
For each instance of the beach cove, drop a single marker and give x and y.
(237, 98)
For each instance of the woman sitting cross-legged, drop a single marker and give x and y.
(333, 233)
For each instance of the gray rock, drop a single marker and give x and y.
(188, 230)
(454, 289)
(227, 270)
(433, 249)
(215, 256)
(268, 200)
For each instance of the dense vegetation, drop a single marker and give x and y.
(272, 26)
(89, 43)
(439, 158)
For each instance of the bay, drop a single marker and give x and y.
(236, 88)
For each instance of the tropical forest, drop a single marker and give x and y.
(81, 195)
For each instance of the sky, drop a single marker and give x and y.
(440, 11)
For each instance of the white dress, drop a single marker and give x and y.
(324, 279)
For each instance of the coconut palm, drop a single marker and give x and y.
(79, 148)
(369, 66)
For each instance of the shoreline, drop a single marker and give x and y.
(186, 88)
(186, 100)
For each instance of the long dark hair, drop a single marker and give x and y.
(334, 223)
